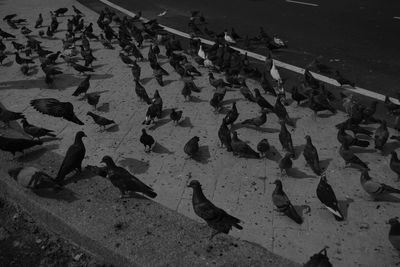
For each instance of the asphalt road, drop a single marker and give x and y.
(357, 37)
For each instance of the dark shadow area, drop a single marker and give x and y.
(167, 82)
(298, 174)
(98, 66)
(113, 128)
(134, 195)
(273, 154)
(144, 81)
(63, 194)
(159, 123)
(388, 198)
(105, 107)
(298, 150)
(230, 101)
(196, 99)
(238, 126)
(158, 148)
(324, 164)
(344, 206)
(37, 153)
(186, 123)
(389, 147)
(325, 115)
(203, 155)
(357, 149)
(166, 112)
(302, 210)
(134, 165)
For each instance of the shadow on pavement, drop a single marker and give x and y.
(134, 165)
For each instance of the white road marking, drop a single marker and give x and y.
(325, 79)
(396, 17)
(301, 3)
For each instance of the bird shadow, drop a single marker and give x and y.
(105, 107)
(167, 82)
(159, 149)
(134, 165)
(134, 195)
(8, 64)
(389, 147)
(113, 128)
(273, 154)
(388, 198)
(238, 126)
(146, 80)
(77, 176)
(343, 206)
(159, 123)
(298, 150)
(36, 154)
(298, 174)
(98, 66)
(196, 99)
(325, 115)
(302, 209)
(324, 164)
(186, 123)
(203, 155)
(230, 101)
(33, 71)
(166, 112)
(362, 150)
(64, 194)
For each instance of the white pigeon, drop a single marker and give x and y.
(274, 72)
(229, 38)
(278, 41)
(208, 63)
(162, 13)
(201, 52)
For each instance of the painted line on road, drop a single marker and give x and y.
(396, 17)
(301, 3)
(278, 63)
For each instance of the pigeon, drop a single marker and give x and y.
(395, 164)
(343, 81)
(350, 125)
(36, 132)
(257, 121)
(350, 158)
(39, 21)
(141, 92)
(311, 155)
(33, 178)
(319, 102)
(14, 145)
(232, 115)
(224, 135)
(93, 99)
(263, 147)
(9, 17)
(25, 31)
(285, 164)
(282, 202)
(327, 196)
(245, 91)
(6, 116)
(124, 180)
(55, 108)
(99, 120)
(136, 70)
(281, 112)
(83, 87)
(175, 116)
(21, 60)
(375, 189)
(394, 233)
(60, 11)
(216, 82)
(228, 38)
(127, 60)
(80, 68)
(286, 139)
(73, 158)
(191, 148)
(6, 35)
(381, 136)
(261, 101)
(309, 79)
(390, 106)
(147, 140)
(216, 218)
(319, 259)
(77, 11)
(343, 137)
(107, 44)
(241, 148)
(2, 57)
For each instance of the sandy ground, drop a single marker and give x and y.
(240, 186)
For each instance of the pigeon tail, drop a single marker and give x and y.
(150, 193)
(292, 214)
(390, 189)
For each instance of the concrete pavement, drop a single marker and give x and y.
(240, 186)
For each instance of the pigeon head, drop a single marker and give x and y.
(196, 138)
(393, 221)
(194, 184)
(13, 172)
(323, 178)
(278, 183)
(308, 138)
(108, 161)
(80, 135)
(144, 131)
